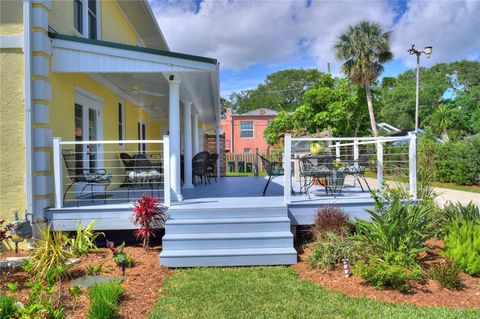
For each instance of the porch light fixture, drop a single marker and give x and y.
(428, 52)
(171, 77)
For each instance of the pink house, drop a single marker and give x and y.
(244, 132)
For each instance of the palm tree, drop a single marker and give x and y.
(364, 47)
(441, 120)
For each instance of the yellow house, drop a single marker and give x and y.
(94, 78)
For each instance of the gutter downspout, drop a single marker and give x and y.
(27, 92)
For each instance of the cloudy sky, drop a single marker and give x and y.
(254, 38)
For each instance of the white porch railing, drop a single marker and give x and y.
(87, 172)
(392, 157)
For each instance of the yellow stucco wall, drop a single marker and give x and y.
(62, 122)
(11, 17)
(114, 26)
(12, 150)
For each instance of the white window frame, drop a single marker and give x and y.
(85, 27)
(247, 130)
(121, 108)
(144, 123)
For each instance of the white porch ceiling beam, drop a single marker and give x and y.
(70, 56)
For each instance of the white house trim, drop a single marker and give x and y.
(11, 41)
(70, 56)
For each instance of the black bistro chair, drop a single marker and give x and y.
(273, 169)
(91, 177)
(199, 167)
(212, 166)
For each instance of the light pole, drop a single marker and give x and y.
(428, 52)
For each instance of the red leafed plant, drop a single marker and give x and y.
(149, 215)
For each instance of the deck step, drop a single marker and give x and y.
(228, 240)
(226, 212)
(227, 225)
(228, 257)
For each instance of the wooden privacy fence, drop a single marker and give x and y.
(247, 162)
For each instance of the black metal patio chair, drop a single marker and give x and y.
(91, 177)
(199, 167)
(212, 166)
(357, 169)
(273, 169)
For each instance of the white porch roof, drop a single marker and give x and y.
(140, 74)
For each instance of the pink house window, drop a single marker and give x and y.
(246, 129)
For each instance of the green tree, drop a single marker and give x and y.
(364, 47)
(333, 102)
(282, 90)
(442, 119)
(456, 84)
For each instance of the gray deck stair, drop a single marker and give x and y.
(228, 236)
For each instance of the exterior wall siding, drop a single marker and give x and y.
(257, 141)
(114, 26)
(12, 134)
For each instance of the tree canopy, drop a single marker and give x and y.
(449, 98)
(332, 102)
(282, 90)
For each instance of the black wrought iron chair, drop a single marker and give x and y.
(273, 169)
(199, 167)
(128, 164)
(357, 169)
(91, 177)
(143, 172)
(212, 166)
(320, 169)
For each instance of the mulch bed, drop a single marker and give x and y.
(424, 293)
(142, 282)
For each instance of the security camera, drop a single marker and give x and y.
(171, 77)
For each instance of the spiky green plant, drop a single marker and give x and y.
(84, 240)
(50, 252)
(401, 227)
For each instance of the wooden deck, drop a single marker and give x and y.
(228, 192)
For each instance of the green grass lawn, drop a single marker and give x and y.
(272, 292)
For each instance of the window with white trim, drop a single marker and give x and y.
(121, 122)
(86, 18)
(246, 129)
(78, 15)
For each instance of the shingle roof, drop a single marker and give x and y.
(259, 112)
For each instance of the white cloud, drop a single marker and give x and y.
(451, 27)
(242, 33)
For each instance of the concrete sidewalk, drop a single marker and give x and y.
(444, 195)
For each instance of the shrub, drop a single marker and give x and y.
(456, 212)
(329, 252)
(392, 270)
(84, 241)
(94, 269)
(447, 274)
(104, 300)
(462, 244)
(4, 231)
(330, 219)
(8, 308)
(149, 215)
(50, 252)
(400, 227)
(119, 256)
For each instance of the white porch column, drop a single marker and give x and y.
(187, 144)
(217, 140)
(195, 133)
(174, 129)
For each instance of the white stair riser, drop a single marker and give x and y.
(230, 243)
(227, 213)
(234, 227)
(282, 259)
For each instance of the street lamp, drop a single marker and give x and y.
(428, 52)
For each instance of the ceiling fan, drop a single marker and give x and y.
(136, 91)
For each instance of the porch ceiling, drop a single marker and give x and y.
(139, 74)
